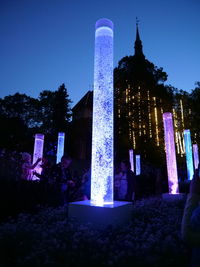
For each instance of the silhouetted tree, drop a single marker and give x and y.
(23, 107)
(23, 116)
(62, 110)
(56, 111)
(139, 84)
(195, 112)
(56, 114)
(133, 70)
(13, 134)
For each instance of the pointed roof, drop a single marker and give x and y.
(138, 42)
(85, 101)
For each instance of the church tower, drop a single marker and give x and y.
(138, 43)
(138, 108)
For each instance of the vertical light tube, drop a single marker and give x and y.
(102, 126)
(188, 150)
(196, 156)
(131, 159)
(60, 146)
(170, 153)
(38, 152)
(138, 165)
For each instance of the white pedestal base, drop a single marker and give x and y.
(171, 197)
(114, 214)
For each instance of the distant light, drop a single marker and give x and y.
(38, 153)
(188, 150)
(156, 122)
(60, 147)
(102, 127)
(131, 159)
(196, 156)
(170, 153)
(138, 164)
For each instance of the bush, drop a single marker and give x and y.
(49, 238)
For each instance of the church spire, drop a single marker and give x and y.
(138, 42)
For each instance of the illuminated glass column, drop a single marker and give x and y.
(188, 151)
(196, 156)
(38, 152)
(170, 153)
(131, 159)
(138, 165)
(60, 147)
(102, 127)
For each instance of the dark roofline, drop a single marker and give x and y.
(84, 101)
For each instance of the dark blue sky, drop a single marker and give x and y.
(44, 43)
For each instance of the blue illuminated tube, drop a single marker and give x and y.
(188, 151)
(60, 146)
(102, 126)
(196, 156)
(138, 164)
(131, 159)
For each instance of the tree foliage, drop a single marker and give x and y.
(23, 107)
(13, 132)
(137, 82)
(195, 111)
(48, 114)
(56, 111)
(134, 70)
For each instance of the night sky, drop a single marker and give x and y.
(44, 43)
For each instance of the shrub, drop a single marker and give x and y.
(49, 238)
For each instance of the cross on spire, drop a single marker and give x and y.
(137, 21)
(138, 42)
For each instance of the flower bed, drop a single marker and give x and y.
(48, 238)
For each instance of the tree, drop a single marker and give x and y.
(134, 70)
(195, 112)
(62, 110)
(139, 89)
(23, 116)
(23, 107)
(56, 114)
(13, 134)
(56, 111)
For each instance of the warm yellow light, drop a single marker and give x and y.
(127, 95)
(156, 122)
(149, 114)
(182, 115)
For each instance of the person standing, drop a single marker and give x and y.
(126, 182)
(27, 167)
(63, 179)
(190, 226)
